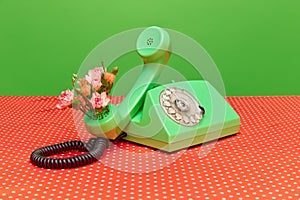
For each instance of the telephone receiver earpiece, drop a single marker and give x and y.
(153, 45)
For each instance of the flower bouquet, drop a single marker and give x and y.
(90, 93)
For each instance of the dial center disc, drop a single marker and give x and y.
(182, 105)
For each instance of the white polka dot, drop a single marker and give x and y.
(261, 161)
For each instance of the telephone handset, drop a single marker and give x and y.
(153, 45)
(167, 117)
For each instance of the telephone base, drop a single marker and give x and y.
(153, 127)
(171, 147)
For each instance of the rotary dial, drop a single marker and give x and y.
(181, 106)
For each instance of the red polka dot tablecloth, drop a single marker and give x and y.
(260, 162)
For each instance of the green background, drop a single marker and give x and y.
(255, 43)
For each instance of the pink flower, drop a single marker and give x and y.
(109, 77)
(85, 87)
(94, 74)
(94, 77)
(96, 84)
(105, 99)
(99, 100)
(65, 99)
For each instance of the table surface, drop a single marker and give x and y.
(261, 161)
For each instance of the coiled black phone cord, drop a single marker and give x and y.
(95, 148)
